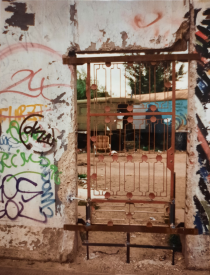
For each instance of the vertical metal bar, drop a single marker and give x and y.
(149, 139)
(88, 213)
(155, 83)
(173, 254)
(128, 248)
(149, 82)
(173, 126)
(174, 185)
(88, 130)
(140, 80)
(87, 245)
(174, 198)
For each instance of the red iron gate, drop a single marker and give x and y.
(130, 147)
(141, 171)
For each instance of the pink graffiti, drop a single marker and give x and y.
(29, 78)
(15, 48)
(140, 22)
(32, 46)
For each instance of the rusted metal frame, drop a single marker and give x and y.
(88, 130)
(104, 244)
(131, 58)
(173, 127)
(131, 228)
(87, 249)
(130, 114)
(129, 245)
(172, 206)
(129, 201)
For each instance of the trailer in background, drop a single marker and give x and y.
(141, 123)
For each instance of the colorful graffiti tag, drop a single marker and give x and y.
(166, 106)
(202, 200)
(28, 141)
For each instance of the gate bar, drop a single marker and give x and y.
(128, 247)
(131, 228)
(130, 201)
(88, 130)
(131, 114)
(73, 60)
(173, 127)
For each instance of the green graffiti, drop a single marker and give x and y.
(54, 168)
(207, 209)
(13, 129)
(30, 172)
(7, 161)
(4, 157)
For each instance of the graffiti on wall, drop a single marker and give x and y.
(166, 106)
(202, 199)
(29, 133)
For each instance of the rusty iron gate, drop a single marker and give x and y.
(130, 147)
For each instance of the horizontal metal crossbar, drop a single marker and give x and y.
(131, 114)
(132, 228)
(129, 201)
(130, 58)
(86, 243)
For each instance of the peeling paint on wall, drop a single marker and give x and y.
(136, 28)
(124, 36)
(202, 198)
(20, 18)
(36, 119)
(73, 12)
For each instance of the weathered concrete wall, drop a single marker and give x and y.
(197, 211)
(129, 25)
(37, 137)
(38, 173)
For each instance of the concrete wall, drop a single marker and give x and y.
(36, 176)
(36, 94)
(197, 211)
(137, 25)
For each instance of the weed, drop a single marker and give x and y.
(82, 176)
(174, 240)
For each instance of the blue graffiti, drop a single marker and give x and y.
(198, 223)
(47, 195)
(7, 141)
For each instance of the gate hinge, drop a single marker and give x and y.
(184, 131)
(71, 198)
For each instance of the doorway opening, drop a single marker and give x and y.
(130, 126)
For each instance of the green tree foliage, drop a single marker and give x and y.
(143, 76)
(81, 87)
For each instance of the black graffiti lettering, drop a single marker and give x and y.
(43, 136)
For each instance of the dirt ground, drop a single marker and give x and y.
(112, 260)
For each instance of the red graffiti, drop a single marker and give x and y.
(26, 46)
(204, 144)
(140, 22)
(14, 49)
(29, 78)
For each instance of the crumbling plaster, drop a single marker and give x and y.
(197, 248)
(137, 25)
(34, 48)
(36, 86)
